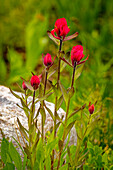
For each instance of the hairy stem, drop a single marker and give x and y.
(45, 83)
(67, 111)
(56, 98)
(63, 138)
(73, 74)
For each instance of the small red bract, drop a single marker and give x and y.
(24, 86)
(61, 28)
(35, 81)
(47, 60)
(77, 54)
(91, 109)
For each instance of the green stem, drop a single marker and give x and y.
(45, 83)
(30, 123)
(73, 74)
(26, 97)
(56, 98)
(33, 102)
(67, 112)
(79, 145)
(63, 138)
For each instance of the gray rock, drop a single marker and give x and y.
(9, 112)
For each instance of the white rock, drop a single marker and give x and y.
(9, 112)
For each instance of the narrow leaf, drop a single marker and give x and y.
(71, 36)
(9, 166)
(17, 96)
(24, 162)
(4, 149)
(59, 102)
(60, 144)
(22, 129)
(27, 83)
(69, 154)
(15, 156)
(42, 112)
(27, 152)
(72, 114)
(50, 112)
(64, 93)
(43, 98)
(69, 127)
(52, 38)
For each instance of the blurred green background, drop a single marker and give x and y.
(23, 39)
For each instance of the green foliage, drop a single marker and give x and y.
(23, 39)
(98, 158)
(10, 156)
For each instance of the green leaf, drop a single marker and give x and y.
(64, 93)
(78, 71)
(105, 158)
(50, 112)
(22, 129)
(19, 145)
(24, 162)
(60, 145)
(58, 118)
(25, 107)
(43, 98)
(40, 154)
(59, 102)
(72, 114)
(60, 131)
(9, 166)
(17, 96)
(15, 156)
(26, 149)
(48, 162)
(71, 92)
(64, 167)
(69, 154)
(34, 145)
(42, 112)
(4, 149)
(68, 128)
(50, 146)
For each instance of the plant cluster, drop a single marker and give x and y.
(50, 150)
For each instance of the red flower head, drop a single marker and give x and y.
(24, 86)
(91, 109)
(77, 54)
(47, 60)
(61, 28)
(35, 81)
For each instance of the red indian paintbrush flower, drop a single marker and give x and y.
(61, 28)
(47, 60)
(91, 109)
(35, 81)
(77, 54)
(24, 86)
(60, 31)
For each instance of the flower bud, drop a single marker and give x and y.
(24, 86)
(91, 109)
(61, 28)
(35, 81)
(47, 60)
(77, 54)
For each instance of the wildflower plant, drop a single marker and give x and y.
(49, 150)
